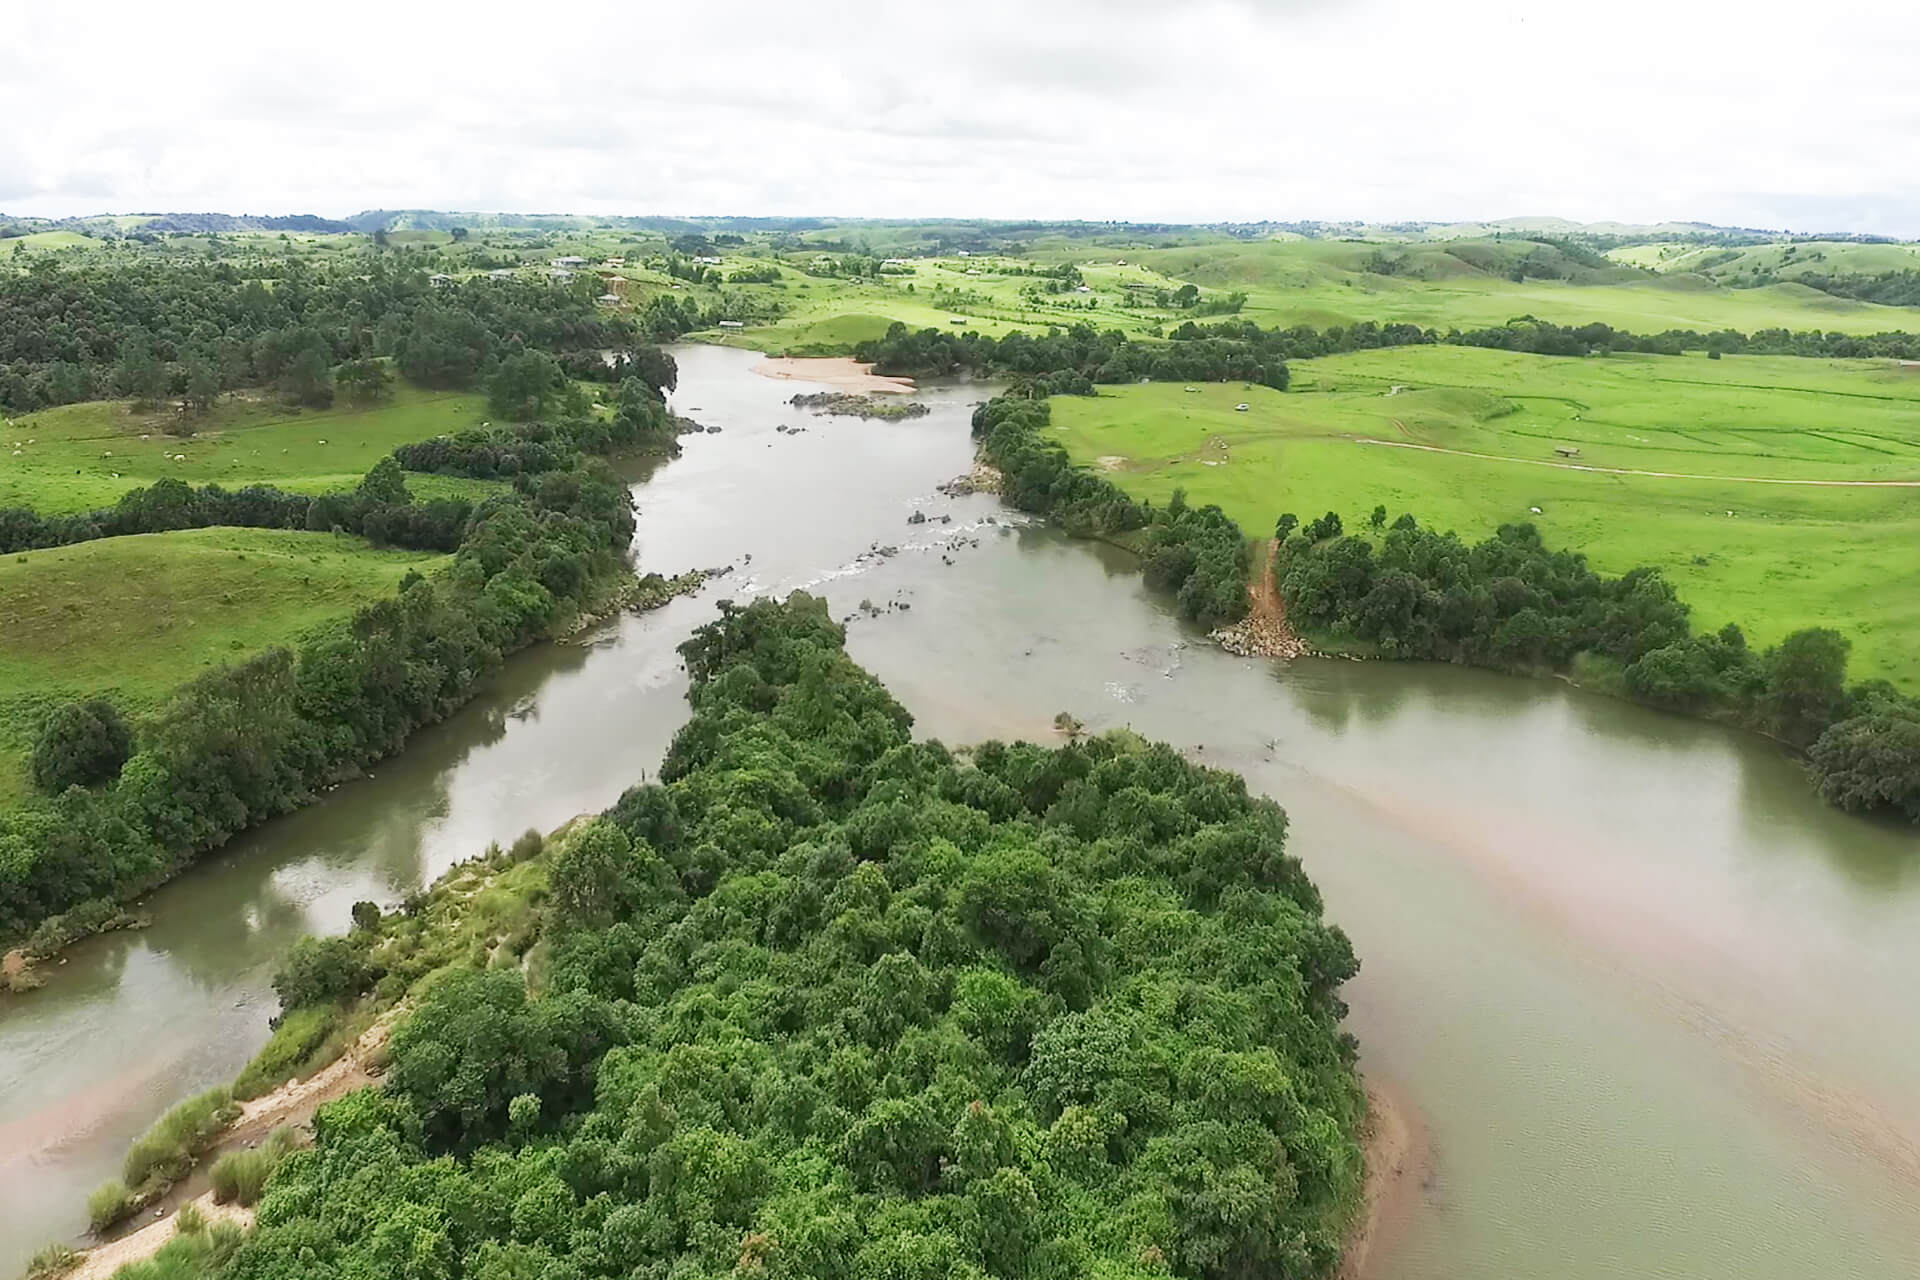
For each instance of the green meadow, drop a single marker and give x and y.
(81, 456)
(1465, 284)
(1367, 428)
(134, 618)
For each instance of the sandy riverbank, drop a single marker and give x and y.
(1398, 1167)
(838, 372)
(102, 1262)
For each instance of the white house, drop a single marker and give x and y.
(569, 261)
(439, 279)
(733, 324)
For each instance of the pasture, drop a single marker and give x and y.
(134, 618)
(81, 456)
(1468, 439)
(1466, 284)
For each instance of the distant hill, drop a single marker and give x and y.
(200, 223)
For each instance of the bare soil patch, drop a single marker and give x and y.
(838, 372)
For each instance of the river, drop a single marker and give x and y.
(1652, 1000)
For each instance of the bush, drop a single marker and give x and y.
(165, 1152)
(189, 1221)
(322, 971)
(109, 1203)
(241, 1176)
(295, 1039)
(51, 1261)
(81, 745)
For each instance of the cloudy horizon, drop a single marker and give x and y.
(1102, 110)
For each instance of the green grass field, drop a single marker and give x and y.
(134, 618)
(48, 240)
(1772, 557)
(1788, 259)
(81, 456)
(1435, 284)
(1460, 284)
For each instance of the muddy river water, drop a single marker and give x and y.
(1653, 1003)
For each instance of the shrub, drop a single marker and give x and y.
(189, 1221)
(241, 1176)
(320, 971)
(81, 744)
(110, 1202)
(165, 1152)
(53, 1260)
(291, 1047)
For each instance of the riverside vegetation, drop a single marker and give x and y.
(828, 1002)
(124, 809)
(1508, 603)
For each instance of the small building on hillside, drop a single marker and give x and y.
(615, 262)
(733, 324)
(570, 260)
(559, 273)
(439, 279)
(1566, 451)
(607, 299)
(500, 273)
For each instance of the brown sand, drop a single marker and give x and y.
(137, 1246)
(837, 372)
(1398, 1166)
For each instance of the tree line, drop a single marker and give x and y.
(128, 808)
(1242, 351)
(1197, 554)
(826, 1002)
(1512, 604)
(1508, 603)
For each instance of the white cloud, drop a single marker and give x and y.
(1759, 114)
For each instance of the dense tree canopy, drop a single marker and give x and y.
(827, 1002)
(1512, 604)
(150, 329)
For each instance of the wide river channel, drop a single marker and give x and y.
(1653, 1004)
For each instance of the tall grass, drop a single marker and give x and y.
(165, 1152)
(110, 1202)
(189, 1255)
(54, 1260)
(240, 1176)
(288, 1050)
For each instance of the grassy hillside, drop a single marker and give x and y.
(1788, 259)
(1772, 557)
(1466, 283)
(81, 456)
(133, 618)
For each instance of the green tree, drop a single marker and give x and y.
(525, 386)
(1377, 520)
(1806, 679)
(203, 385)
(364, 380)
(81, 744)
(321, 971)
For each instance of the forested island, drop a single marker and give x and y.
(826, 1001)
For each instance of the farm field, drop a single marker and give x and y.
(1435, 284)
(1372, 427)
(133, 618)
(81, 456)
(1784, 258)
(1462, 284)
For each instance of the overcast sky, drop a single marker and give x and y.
(1758, 114)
